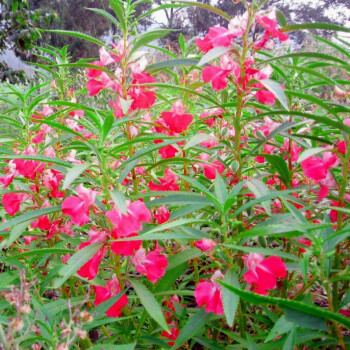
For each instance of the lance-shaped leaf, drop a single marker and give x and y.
(150, 303)
(258, 299)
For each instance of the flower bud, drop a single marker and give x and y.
(81, 334)
(25, 309)
(85, 316)
(339, 92)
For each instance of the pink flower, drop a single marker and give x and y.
(105, 57)
(218, 75)
(95, 86)
(266, 97)
(211, 169)
(209, 294)
(124, 225)
(314, 168)
(167, 151)
(90, 269)
(12, 201)
(205, 244)
(269, 22)
(152, 265)
(93, 72)
(177, 120)
(305, 242)
(217, 36)
(168, 183)
(104, 293)
(162, 215)
(42, 223)
(174, 333)
(29, 168)
(77, 207)
(51, 180)
(263, 273)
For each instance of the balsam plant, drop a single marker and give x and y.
(198, 202)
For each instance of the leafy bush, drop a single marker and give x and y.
(197, 202)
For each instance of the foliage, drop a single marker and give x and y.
(197, 202)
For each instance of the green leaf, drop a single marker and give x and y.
(125, 105)
(277, 90)
(315, 25)
(305, 321)
(263, 251)
(43, 251)
(193, 326)
(147, 38)
(290, 341)
(119, 200)
(205, 7)
(29, 216)
(76, 35)
(150, 303)
(258, 299)
(17, 231)
(281, 18)
(281, 326)
(318, 118)
(259, 189)
(182, 257)
(212, 54)
(197, 139)
(229, 299)
(74, 173)
(220, 189)
(118, 9)
(107, 125)
(310, 152)
(317, 55)
(39, 159)
(172, 63)
(106, 15)
(182, 42)
(76, 262)
(281, 166)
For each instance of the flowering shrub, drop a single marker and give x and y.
(210, 211)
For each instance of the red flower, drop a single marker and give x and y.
(269, 22)
(217, 76)
(209, 294)
(304, 241)
(211, 169)
(314, 168)
(205, 245)
(217, 36)
(177, 120)
(104, 293)
(152, 265)
(78, 207)
(162, 215)
(174, 333)
(168, 183)
(124, 225)
(266, 97)
(12, 201)
(263, 273)
(95, 86)
(90, 269)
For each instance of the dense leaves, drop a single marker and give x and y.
(197, 202)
